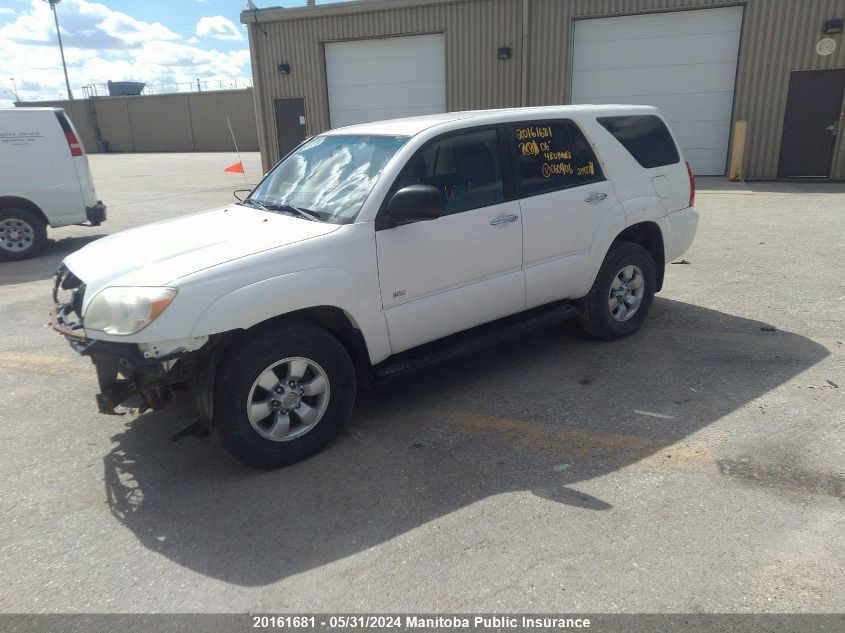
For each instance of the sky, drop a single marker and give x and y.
(154, 41)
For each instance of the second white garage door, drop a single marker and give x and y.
(683, 62)
(369, 80)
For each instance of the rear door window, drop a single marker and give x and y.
(645, 137)
(552, 155)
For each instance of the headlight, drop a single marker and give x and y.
(123, 311)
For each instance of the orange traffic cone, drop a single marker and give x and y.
(237, 168)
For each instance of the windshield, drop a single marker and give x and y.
(327, 177)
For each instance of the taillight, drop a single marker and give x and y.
(73, 144)
(691, 184)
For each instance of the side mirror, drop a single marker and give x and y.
(241, 191)
(414, 203)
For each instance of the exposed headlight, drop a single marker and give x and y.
(125, 310)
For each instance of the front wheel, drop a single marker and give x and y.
(283, 395)
(622, 293)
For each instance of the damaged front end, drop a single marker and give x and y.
(125, 371)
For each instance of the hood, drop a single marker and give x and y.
(158, 254)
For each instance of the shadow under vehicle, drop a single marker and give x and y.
(538, 414)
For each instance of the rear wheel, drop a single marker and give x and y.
(283, 395)
(22, 234)
(622, 293)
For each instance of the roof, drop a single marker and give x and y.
(414, 125)
(279, 14)
(28, 109)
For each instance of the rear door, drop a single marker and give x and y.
(463, 269)
(563, 196)
(79, 159)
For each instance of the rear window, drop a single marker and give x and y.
(552, 155)
(62, 117)
(645, 137)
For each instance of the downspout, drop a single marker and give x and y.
(523, 100)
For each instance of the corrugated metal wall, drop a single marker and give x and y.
(182, 122)
(778, 36)
(473, 30)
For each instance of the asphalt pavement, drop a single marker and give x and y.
(696, 466)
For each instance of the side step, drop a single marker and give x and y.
(473, 340)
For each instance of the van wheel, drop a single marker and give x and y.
(22, 234)
(283, 395)
(622, 293)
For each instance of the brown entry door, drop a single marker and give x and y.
(290, 123)
(811, 123)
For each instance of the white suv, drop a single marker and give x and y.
(376, 249)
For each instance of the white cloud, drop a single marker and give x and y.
(219, 28)
(101, 44)
(84, 25)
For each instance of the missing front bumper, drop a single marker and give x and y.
(122, 371)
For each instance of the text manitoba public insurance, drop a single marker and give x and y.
(496, 622)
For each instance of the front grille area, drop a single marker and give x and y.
(68, 294)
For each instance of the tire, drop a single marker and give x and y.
(633, 302)
(244, 393)
(22, 234)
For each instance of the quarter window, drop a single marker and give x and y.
(464, 167)
(552, 155)
(645, 137)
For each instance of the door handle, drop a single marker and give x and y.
(595, 197)
(832, 128)
(502, 219)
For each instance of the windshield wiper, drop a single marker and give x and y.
(251, 202)
(285, 208)
(289, 208)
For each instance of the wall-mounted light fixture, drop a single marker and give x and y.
(503, 52)
(832, 27)
(284, 69)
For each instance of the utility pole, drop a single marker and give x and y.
(15, 88)
(53, 4)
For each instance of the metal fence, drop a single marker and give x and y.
(200, 85)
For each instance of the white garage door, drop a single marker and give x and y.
(369, 80)
(683, 62)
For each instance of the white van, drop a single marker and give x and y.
(379, 248)
(44, 180)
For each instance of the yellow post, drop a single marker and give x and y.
(738, 151)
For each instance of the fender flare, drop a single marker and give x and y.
(269, 298)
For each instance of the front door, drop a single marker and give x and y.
(290, 123)
(464, 268)
(811, 123)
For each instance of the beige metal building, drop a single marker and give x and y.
(777, 64)
(178, 122)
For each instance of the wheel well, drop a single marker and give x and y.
(332, 319)
(649, 236)
(14, 202)
(206, 363)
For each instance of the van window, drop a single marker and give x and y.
(645, 137)
(552, 155)
(464, 167)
